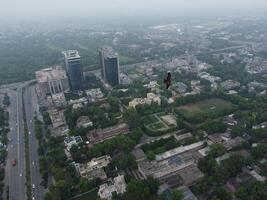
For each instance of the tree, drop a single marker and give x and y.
(6, 100)
(132, 118)
(152, 184)
(137, 190)
(221, 193)
(217, 150)
(114, 103)
(124, 160)
(136, 134)
(177, 195)
(255, 191)
(260, 151)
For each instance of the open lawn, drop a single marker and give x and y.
(158, 126)
(203, 110)
(213, 104)
(91, 195)
(149, 119)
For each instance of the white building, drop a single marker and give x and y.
(70, 141)
(52, 81)
(94, 168)
(118, 185)
(151, 97)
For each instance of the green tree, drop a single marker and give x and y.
(132, 118)
(177, 195)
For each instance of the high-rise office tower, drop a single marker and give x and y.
(109, 62)
(74, 69)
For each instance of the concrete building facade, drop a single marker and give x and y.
(74, 69)
(109, 63)
(52, 81)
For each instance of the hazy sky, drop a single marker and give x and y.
(29, 8)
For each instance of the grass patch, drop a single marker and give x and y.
(27, 153)
(125, 60)
(157, 126)
(208, 105)
(149, 119)
(203, 110)
(91, 195)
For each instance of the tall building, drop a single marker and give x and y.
(52, 81)
(74, 69)
(109, 62)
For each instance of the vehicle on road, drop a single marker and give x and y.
(14, 162)
(33, 186)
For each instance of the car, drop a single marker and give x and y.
(33, 186)
(14, 162)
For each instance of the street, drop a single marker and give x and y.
(31, 107)
(15, 173)
(16, 148)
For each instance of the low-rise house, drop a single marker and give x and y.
(84, 121)
(230, 121)
(225, 140)
(117, 185)
(95, 93)
(261, 125)
(243, 179)
(59, 99)
(57, 117)
(82, 100)
(230, 85)
(187, 193)
(99, 135)
(59, 125)
(73, 140)
(151, 97)
(180, 150)
(180, 87)
(94, 168)
(169, 120)
(151, 85)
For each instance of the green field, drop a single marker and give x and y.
(92, 195)
(125, 60)
(200, 111)
(157, 126)
(208, 105)
(149, 119)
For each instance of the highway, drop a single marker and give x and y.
(31, 107)
(16, 147)
(15, 175)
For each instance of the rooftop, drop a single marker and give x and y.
(49, 74)
(71, 54)
(179, 150)
(108, 52)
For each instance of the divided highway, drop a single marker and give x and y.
(16, 166)
(31, 107)
(16, 148)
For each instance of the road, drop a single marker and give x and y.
(31, 107)
(16, 147)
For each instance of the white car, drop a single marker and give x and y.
(33, 186)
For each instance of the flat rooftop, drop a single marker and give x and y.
(109, 52)
(71, 54)
(49, 74)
